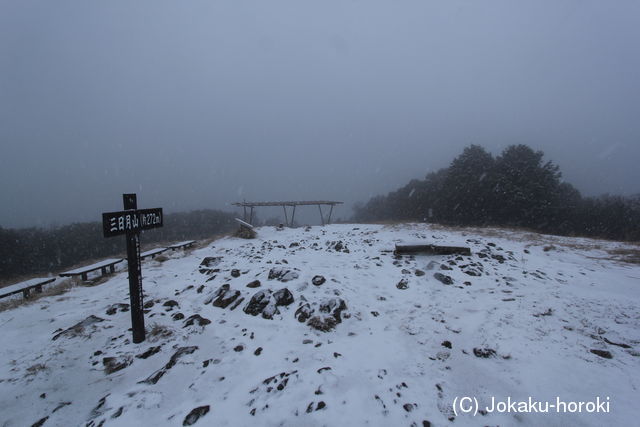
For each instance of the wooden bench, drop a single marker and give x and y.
(246, 230)
(431, 250)
(102, 266)
(26, 287)
(244, 224)
(182, 245)
(152, 253)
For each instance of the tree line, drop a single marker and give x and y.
(516, 188)
(38, 250)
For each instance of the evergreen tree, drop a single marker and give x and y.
(526, 190)
(467, 187)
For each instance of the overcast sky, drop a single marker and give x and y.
(197, 104)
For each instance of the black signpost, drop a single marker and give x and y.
(130, 222)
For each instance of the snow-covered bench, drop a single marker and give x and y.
(244, 224)
(102, 266)
(184, 245)
(152, 253)
(26, 287)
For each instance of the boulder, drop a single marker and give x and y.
(208, 264)
(282, 274)
(196, 319)
(304, 312)
(322, 323)
(283, 297)
(258, 302)
(79, 328)
(484, 352)
(195, 415)
(226, 298)
(402, 284)
(446, 280)
(114, 364)
(334, 307)
(270, 310)
(602, 353)
(318, 280)
(254, 284)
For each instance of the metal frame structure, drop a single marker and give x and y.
(319, 203)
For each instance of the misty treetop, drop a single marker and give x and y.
(517, 188)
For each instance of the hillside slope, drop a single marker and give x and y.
(369, 339)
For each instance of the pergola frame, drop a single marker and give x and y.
(319, 203)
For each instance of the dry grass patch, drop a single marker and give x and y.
(631, 256)
(96, 281)
(156, 332)
(34, 369)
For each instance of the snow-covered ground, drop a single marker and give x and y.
(400, 345)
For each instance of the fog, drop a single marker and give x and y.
(202, 104)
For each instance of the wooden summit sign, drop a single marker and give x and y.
(130, 222)
(117, 223)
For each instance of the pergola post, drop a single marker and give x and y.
(284, 204)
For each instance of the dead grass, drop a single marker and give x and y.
(156, 332)
(34, 369)
(96, 281)
(631, 256)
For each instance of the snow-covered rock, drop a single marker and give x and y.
(514, 320)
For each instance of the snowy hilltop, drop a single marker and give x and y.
(326, 326)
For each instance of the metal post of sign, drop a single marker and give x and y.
(130, 222)
(135, 275)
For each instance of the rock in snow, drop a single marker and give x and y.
(282, 274)
(345, 348)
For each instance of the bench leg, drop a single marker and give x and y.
(103, 270)
(39, 289)
(112, 269)
(25, 293)
(84, 276)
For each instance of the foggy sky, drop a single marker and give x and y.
(198, 104)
